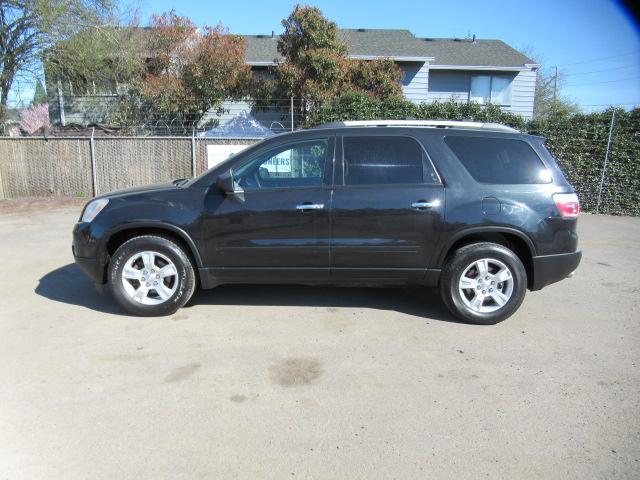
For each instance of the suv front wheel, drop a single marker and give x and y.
(483, 283)
(151, 276)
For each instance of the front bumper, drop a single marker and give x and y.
(91, 267)
(548, 269)
(85, 253)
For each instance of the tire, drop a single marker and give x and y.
(151, 276)
(482, 302)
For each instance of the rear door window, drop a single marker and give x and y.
(499, 160)
(385, 160)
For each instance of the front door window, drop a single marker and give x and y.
(300, 164)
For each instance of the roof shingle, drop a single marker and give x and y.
(402, 43)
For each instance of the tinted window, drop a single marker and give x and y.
(497, 160)
(383, 160)
(295, 165)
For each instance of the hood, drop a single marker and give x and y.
(138, 190)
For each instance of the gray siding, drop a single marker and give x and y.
(523, 92)
(445, 85)
(78, 109)
(81, 109)
(419, 85)
(89, 109)
(54, 105)
(415, 83)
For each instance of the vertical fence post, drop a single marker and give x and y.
(1, 187)
(606, 160)
(555, 88)
(92, 155)
(292, 114)
(193, 152)
(63, 120)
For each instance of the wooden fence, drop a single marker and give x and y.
(85, 166)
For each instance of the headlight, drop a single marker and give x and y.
(93, 208)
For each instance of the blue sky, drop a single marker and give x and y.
(580, 37)
(594, 43)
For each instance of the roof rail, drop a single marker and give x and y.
(422, 123)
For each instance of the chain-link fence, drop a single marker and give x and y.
(34, 167)
(274, 115)
(43, 167)
(597, 152)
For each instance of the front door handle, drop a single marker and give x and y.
(422, 205)
(310, 206)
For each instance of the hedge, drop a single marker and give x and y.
(578, 141)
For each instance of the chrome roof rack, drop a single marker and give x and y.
(422, 123)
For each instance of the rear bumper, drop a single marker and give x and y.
(549, 269)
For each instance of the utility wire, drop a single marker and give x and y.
(607, 104)
(601, 58)
(603, 70)
(598, 83)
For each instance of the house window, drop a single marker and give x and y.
(480, 88)
(260, 73)
(490, 88)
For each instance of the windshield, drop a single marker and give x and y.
(225, 164)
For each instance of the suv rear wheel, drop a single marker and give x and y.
(483, 283)
(151, 276)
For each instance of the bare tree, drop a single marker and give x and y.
(549, 98)
(28, 28)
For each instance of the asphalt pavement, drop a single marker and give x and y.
(300, 382)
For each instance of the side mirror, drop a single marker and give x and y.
(226, 184)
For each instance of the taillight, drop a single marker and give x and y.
(568, 204)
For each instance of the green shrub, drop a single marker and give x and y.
(469, 111)
(578, 141)
(358, 105)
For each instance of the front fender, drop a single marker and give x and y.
(151, 225)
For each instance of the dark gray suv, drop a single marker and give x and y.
(481, 211)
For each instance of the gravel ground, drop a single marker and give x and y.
(282, 382)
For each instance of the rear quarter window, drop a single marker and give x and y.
(499, 160)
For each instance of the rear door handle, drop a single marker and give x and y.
(310, 206)
(422, 205)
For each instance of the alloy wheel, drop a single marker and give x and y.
(486, 285)
(149, 278)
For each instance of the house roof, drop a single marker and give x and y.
(403, 45)
(461, 52)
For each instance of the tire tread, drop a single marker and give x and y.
(449, 271)
(164, 308)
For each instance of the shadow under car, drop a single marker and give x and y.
(69, 285)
